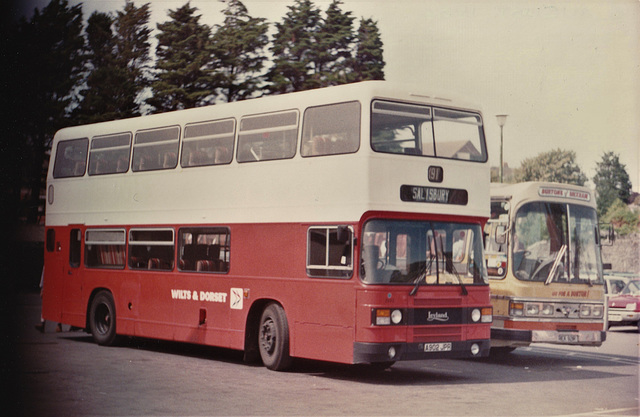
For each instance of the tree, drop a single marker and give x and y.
(132, 42)
(623, 219)
(46, 70)
(333, 61)
(293, 49)
(116, 64)
(556, 166)
(238, 52)
(612, 182)
(369, 63)
(107, 83)
(181, 81)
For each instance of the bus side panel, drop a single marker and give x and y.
(324, 314)
(274, 268)
(62, 284)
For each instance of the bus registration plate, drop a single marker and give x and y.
(568, 338)
(437, 347)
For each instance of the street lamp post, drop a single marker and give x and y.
(502, 118)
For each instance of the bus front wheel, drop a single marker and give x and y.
(273, 338)
(102, 319)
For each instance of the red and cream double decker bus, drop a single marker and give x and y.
(341, 224)
(544, 265)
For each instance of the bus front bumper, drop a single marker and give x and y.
(561, 337)
(385, 352)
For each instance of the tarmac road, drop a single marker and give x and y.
(67, 374)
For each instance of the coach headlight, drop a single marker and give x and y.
(532, 309)
(597, 311)
(585, 310)
(547, 310)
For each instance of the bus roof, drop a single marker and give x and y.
(543, 190)
(361, 90)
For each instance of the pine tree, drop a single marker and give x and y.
(238, 52)
(293, 49)
(369, 63)
(181, 81)
(612, 182)
(105, 97)
(333, 58)
(132, 43)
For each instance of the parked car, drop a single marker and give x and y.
(624, 308)
(614, 282)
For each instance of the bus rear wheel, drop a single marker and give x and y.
(102, 319)
(273, 338)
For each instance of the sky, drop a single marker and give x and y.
(566, 72)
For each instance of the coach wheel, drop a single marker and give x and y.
(102, 319)
(273, 338)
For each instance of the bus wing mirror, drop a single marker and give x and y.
(501, 234)
(607, 234)
(343, 234)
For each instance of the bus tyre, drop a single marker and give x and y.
(102, 319)
(273, 338)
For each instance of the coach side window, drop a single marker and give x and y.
(104, 248)
(268, 136)
(151, 249)
(331, 130)
(330, 251)
(71, 158)
(204, 249)
(208, 143)
(156, 149)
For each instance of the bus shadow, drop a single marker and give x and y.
(516, 367)
(519, 366)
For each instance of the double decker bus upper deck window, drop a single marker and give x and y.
(331, 130)
(427, 131)
(109, 154)
(71, 158)
(268, 137)
(208, 143)
(156, 149)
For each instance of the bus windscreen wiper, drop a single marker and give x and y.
(422, 276)
(556, 263)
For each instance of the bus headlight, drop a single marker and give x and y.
(476, 315)
(585, 310)
(532, 309)
(547, 309)
(597, 311)
(396, 317)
